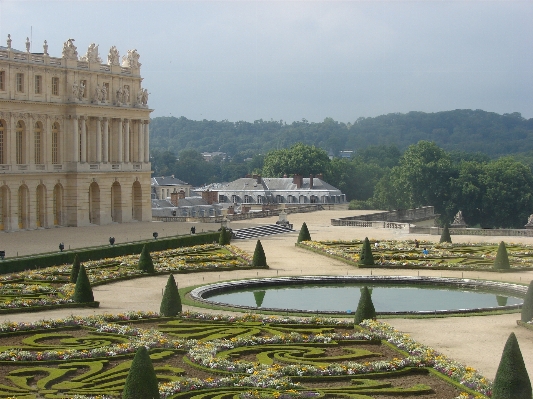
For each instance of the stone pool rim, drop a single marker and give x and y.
(517, 290)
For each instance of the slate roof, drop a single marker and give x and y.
(167, 181)
(274, 184)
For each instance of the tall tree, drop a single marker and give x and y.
(300, 158)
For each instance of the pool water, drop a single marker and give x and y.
(345, 297)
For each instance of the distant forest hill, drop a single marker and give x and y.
(460, 130)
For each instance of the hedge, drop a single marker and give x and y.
(14, 265)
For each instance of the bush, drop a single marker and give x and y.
(445, 236)
(259, 258)
(145, 262)
(365, 308)
(225, 237)
(527, 307)
(502, 260)
(141, 382)
(365, 257)
(83, 292)
(171, 302)
(304, 234)
(75, 269)
(512, 380)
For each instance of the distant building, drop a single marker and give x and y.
(163, 187)
(345, 154)
(209, 156)
(290, 190)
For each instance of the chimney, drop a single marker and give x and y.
(297, 179)
(174, 198)
(310, 181)
(181, 194)
(320, 176)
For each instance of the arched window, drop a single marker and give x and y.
(37, 140)
(20, 143)
(55, 143)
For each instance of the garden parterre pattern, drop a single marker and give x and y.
(219, 356)
(50, 286)
(404, 254)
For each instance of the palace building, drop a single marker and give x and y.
(74, 138)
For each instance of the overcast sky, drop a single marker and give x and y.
(249, 60)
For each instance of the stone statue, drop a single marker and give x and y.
(113, 57)
(70, 50)
(104, 93)
(28, 44)
(45, 48)
(126, 94)
(142, 97)
(458, 220)
(120, 95)
(92, 54)
(81, 90)
(131, 59)
(145, 97)
(529, 224)
(75, 89)
(9, 41)
(97, 93)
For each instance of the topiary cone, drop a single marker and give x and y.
(75, 269)
(304, 233)
(502, 260)
(224, 238)
(259, 258)
(365, 257)
(512, 380)
(141, 382)
(527, 307)
(171, 302)
(445, 236)
(145, 262)
(365, 308)
(83, 292)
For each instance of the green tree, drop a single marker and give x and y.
(83, 293)
(75, 269)
(445, 236)
(171, 302)
(365, 256)
(141, 382)
(365, 307)
(304, 233)
(145, 263)
(527, 307)
(259, 259)
(299, 159)
(512, 380)
(502, 259)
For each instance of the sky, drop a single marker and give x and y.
(294, 60)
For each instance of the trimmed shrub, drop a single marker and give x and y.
(365, 257)
(502, 260)
(259, 258)
(225, 237)
(365, 308)
(171, 302)
(304, 233)
(512, 380)
(259, 296)
(141, 382)
(145, 262)
(83, 292)
(527, 307)
(445, 236)
(75, 269)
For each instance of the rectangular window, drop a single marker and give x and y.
(38, 84)
(1, 144)
(19, 148)
(55, 86)
(37, 137)
(2, 80)
(20, 82)
(55, 145)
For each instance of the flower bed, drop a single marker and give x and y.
(405, 255)
(294, 358)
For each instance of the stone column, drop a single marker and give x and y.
(126, 140)
(140, 138)
(147, 141)
(83, 156)
(11, 142)
(47, 138)
(98, 146)
(30, 143)
(120, 142)
(75, 139)
(105, 144)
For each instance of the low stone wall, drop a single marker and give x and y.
(472, 231)
(376, 225)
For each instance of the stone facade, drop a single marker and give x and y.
(74, 139)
